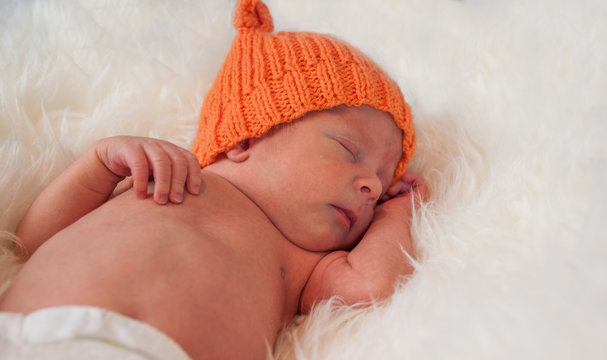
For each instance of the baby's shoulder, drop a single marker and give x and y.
(220, 199)
(222, 214)
(218, 191)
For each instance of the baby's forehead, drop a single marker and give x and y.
(373, 127)
(375, 123)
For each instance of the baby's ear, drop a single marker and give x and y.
(240, 152)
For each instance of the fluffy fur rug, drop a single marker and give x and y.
(511, 118)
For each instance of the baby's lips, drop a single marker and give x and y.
(349, 214)
(352, 216)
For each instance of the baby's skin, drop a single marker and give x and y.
(221, 259)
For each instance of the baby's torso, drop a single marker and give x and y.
(213, 273)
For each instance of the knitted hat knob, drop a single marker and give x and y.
(252, 14)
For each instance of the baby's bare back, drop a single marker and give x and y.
(213, 273)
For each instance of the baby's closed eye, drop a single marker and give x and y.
(349, 146)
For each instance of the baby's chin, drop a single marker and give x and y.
(333, 242)
(323, 236)
(322, 242)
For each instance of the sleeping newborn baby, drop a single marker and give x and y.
(295, 192)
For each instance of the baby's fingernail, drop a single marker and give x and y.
(196, 189)
(178, 197)
(163, 199)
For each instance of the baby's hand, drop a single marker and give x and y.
(398, 197)
(173, 168)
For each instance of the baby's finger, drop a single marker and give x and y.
(140, 172)
(179, 173)
(398, 188)
(385, 197)
(162, 171)
(194, 177)
(416, 183)
(417, 186)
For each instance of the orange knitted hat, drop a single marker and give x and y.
(272, 78)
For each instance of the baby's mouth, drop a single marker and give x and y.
(348, 216)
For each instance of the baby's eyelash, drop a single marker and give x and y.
(351, 148)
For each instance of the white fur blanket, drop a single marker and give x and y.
(509, 99)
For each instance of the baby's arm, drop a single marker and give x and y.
(369, 272)
(91, 179)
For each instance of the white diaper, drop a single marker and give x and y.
(81, 332)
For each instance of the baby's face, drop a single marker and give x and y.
(324, 173)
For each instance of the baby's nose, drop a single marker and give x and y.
(369, 186)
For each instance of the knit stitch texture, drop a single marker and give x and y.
(272, 78)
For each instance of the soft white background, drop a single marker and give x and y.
(509, 99)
